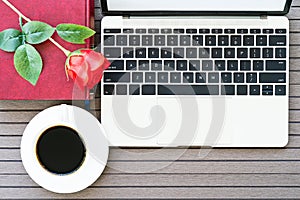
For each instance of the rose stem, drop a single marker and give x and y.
(66, 52)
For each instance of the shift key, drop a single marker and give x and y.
(272, 77)
(113, 52)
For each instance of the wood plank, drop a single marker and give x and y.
(294, 64)
(171, 154)
(182, 167)
(296, 3)
(295, 39)
(294, 25)
(174, 180)
(294, 13)
(170, 193)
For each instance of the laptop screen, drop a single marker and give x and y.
(196, 5)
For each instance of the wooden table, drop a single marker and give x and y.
(222, 173)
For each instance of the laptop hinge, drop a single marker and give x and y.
(264, 17)
(195, 17)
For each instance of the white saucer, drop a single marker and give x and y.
(93, 136)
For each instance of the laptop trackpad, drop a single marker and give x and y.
(194, 121)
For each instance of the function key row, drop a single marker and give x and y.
(194, 31)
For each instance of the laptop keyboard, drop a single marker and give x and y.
(152, 61)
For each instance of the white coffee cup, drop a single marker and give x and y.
(86, 127)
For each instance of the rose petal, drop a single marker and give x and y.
(76, 60)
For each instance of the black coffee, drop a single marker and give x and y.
(60, 150)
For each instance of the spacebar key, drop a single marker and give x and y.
(188, 90)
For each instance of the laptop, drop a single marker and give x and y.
(195, 73)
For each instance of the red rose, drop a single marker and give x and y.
(86, 67)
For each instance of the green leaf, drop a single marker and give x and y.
(28, 63)
(37, 32)
(10, 40)
(74, 33)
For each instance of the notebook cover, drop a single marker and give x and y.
(52, 84)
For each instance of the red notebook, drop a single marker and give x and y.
(52, 84)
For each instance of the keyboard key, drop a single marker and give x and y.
(197, 40)
(236, 40)
(191, 53)
(156, 65)
(248, 40)
(134, 90)
(217, 53)
(147, 40)
(255, 53)
(177, 31)
(144, 65)
(239, 78)
(114, 77)
(226, 77)
(185, 40)
(116, 65)
(278, 40)
(227, 89)
(232, 65)
(134, 40)
(131, 65)
(109, 40)
(188, 90)
(166, 53)
(261, 40)
(258, 65)
(223, 40)
(140, 30)
(229, 53)
(128, 30)
(267, 90)
(200, 78)
(172, 40)
(204, 31)
(181, 65)
(194, 65)
(153, 53)
(121, 90)
(268, 31)
(178, 52)
(267, 53)
(280, 53)
(213, 77)
(166, 31)
(207, 65)
(159, 40)
(210, 40)
(169, 65)
(127, 52)
(272, 77)
(242, 90)
(191, 31)
(112, 30)
(163, 77)
(220, 65)
(255, 31)
(276, 65)
(217, 31)
(280, 31)
(113, 52)
(254, 89)
(188, 77)
(175, 77)
(242, 53)
(245, 65)
(121, 40)
(229, 31)
(153, 30)
(204, 52)
(109, 89)
(150, 77)
(137, 77)
(251, 77)
(140, 53)
(148, 89)
(280, 90)
(242, 31)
